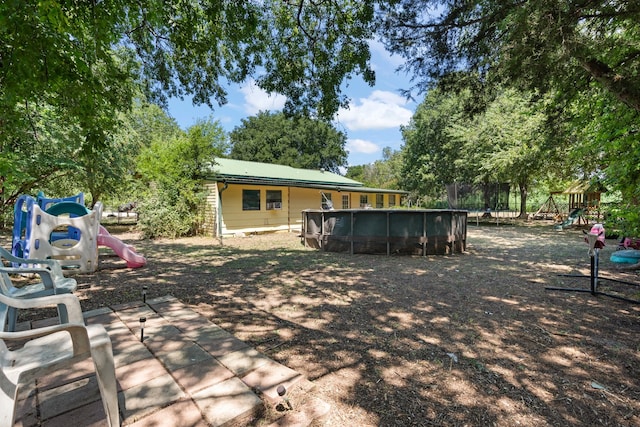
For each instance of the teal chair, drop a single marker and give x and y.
(52, 282)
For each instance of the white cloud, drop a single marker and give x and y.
(381, 110)
(362, 146)
(380, 53)
(256, 99)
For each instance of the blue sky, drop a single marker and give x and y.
(371, 123)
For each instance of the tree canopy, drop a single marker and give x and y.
(298, 142)
(83, 57)
(383, 173)
(171, 171)
(69, 70)
(430, 155)
(506, 143)
(583, 55)
(538, 44)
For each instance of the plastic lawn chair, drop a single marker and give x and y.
(50, 349)
(51, 276)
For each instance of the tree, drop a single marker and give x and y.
(506, 143)
(38, 149)
(449, 142)
(80, 65)
(537, 44)
(170, 185)
(610, 151)
(430, 154)
(149, 121)
(83, 58)
(383, 173)
(298, 142)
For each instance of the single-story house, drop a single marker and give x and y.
(251, 197)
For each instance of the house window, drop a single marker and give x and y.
(392, 199)
(364, 201)
(274, 199)
(250, 200)
(325, 201)
(345, 201)
(379, 201)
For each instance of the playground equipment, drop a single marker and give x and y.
(124, 251)
(595, 238)
(626, 256)
(548, 210)
(66, 231)
(574, 216)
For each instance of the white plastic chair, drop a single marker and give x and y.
(52, 348)
(52, 282)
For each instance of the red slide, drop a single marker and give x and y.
(124, 251)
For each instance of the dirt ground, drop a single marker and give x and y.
(471, 339)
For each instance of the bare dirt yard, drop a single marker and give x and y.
(470, 339)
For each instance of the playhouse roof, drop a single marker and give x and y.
(585, 187)
(245, 172)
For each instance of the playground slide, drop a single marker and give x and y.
(124, 251)
(573, 216)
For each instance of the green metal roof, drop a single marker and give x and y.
(240, 171)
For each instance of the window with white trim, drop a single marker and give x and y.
(345, 201)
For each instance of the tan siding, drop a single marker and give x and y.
(237, 220)
(210, 226)
(288, 218)
(301, 199)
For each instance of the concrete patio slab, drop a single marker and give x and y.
(186, 372)
(231, 400)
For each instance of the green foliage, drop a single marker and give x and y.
(313, 46)
(38, 149)
(623, 220)
(610, 148)
(298, 142)
(170, 184)
(61, 56)
(149, 121)
(430, 155)
(161, 217)
(504, 143)
(609, 135)
(69, 70)
(537, 44)
(356, 173)
(383, 173)
(84, 57)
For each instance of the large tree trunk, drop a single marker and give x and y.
(620, 86)
(523, 200)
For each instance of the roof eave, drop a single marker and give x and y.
(276, 182)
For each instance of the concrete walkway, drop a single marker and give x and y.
(186, 372)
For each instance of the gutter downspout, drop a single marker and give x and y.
(224, 187)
